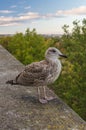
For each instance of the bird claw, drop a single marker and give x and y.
(43, 101)
(49, 98)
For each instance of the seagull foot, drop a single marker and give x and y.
(50, 98)
(43, 101)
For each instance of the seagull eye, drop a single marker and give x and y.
(53, 50)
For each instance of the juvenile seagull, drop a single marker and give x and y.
(41, 73)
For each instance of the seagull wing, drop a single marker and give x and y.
(34, 74)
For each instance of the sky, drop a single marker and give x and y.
(46, 16)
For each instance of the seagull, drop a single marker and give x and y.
(41, 74)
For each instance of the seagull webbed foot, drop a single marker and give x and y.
(49, 98)
(43, 101)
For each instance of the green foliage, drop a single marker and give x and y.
(71, 85)
(72, 82)
(29, 47)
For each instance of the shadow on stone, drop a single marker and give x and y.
(28, 98)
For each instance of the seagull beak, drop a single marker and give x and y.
(64, 56)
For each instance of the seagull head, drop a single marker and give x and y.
(53, 53)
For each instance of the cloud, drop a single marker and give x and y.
(10, 24)
(6, 11)
(18, 20)
(74, 11)
(27, 7)
(31, 16)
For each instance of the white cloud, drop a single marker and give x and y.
(23, 18)
(74, 11)
(6, 11)
(10, 24)
(27, 7)
(29, 16)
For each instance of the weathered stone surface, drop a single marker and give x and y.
(19, 106)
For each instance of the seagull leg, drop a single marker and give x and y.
(41, 93)
(48, 97)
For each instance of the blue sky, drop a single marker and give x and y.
(47, 16)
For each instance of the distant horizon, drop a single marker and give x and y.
(47, 17)
(24, 33)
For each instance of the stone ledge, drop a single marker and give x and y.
(19, 106)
